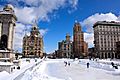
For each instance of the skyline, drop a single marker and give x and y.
(57, 17)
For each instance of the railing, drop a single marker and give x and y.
(19, 75)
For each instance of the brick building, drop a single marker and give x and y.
(33, 44)
(80, 47)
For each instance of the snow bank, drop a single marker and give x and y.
(97, 65)
(24, 66)
(4, 75)
(116, 72)
(6, 63)
(38, 73)
(108, 61)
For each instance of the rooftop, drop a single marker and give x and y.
(106, 23)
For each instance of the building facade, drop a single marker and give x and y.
(7, 24)
(91, 53)
(118, 49)
(33, 44)
(80, 47)
(106, 34)
(65, 48)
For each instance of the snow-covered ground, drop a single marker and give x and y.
(56, 70)
(24, 65)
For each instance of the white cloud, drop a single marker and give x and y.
(43, 31)
(39, 8)
(73, 3)
(88, 23)
(18, 36)
(25, 15)
(32, 9)
(32, 2)
(89, 38)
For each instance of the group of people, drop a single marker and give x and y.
(114, 66)
(88, 64)
(66, 63)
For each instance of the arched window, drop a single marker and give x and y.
(3, 42)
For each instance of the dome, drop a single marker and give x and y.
(8, 7)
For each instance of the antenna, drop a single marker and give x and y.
(36, 19)
(35, 22)
(25, 30)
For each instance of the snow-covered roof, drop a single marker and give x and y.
(10, 6)
(4, 51)
(6, 63)
(4, 58)
(8, 13)
(15, 60)
(4, 12)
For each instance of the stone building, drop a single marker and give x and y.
(106, 34)
(80, 47)
(118, 49)
(91, 53)
(65, 48)
(33, 44)
(7, 24)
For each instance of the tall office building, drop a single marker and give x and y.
(106, 34)
(80, 47)
(33, 44)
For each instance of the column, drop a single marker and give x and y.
(0, 29)
(10, 36)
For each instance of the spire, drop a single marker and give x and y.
(25, 32)
(35, 23)
(67, 37)
(35, 29)
(34, 26)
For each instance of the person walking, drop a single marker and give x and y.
(65, 63)
(69, 63)
(88, 64)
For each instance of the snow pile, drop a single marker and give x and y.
(97, 65)
(101, 65)
(6, 63)
(37, 76)
(108, 61)
(24, 66)
(38, 73)
(116, 72)
(4, 75)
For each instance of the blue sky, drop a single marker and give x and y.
(57, 17)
